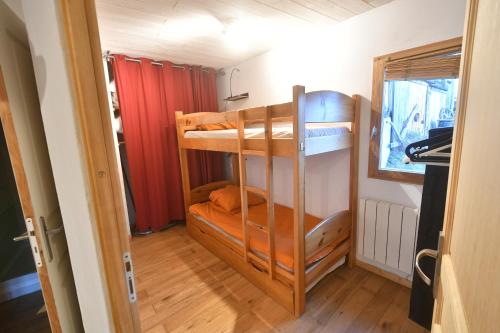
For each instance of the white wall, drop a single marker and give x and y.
(341, 59)
(63, 140)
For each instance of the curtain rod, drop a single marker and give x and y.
(155, 63)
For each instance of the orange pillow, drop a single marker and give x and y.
(229, 199)
(218, 126)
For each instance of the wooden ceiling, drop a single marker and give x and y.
(148, 27)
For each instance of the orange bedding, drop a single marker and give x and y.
(231, 224)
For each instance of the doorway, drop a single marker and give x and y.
(22, 307)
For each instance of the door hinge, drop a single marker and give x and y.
(46, 233)
(302, 146)
(129, 277)
(35, 249)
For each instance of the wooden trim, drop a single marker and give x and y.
(83, 54)
(441, 46)
(25, 199)
(385, 274)
(298, 110)
(353, 177)
(379, 64)
(459, 127)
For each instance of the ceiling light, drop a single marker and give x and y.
(190, 27)
(243, 33)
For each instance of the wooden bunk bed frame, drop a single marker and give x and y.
(287, 288)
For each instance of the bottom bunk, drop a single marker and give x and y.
(327, 242)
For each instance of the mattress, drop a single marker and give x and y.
(230, 225)
(281, 130)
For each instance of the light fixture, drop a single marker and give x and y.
(235, 97)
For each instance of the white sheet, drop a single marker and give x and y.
(282, 130)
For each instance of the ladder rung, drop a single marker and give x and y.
(253, 152)
(257, 226)
(257, 191)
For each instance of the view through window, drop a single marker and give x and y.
(410, 108)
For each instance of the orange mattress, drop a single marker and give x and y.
(231, 225)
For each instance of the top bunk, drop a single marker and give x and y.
(314, 123)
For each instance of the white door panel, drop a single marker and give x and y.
(469, 298)
(34, 170)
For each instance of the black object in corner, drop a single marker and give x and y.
(430, 224)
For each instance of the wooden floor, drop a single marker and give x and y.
(183, 287)
(20, 315)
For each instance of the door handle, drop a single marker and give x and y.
(21, 237)
(420, 255)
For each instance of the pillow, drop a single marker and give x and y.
(217, 126)
(229, 199)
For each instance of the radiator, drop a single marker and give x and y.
(387, 235)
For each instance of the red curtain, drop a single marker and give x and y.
(204, 87)
(148, 97)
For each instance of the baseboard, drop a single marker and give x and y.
(20, 286)
(384, 273)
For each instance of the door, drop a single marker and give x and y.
(469, 284)
(22, 124)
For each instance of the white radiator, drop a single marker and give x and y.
(386, 236)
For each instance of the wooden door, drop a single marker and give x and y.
(22, 124)
(469, 285)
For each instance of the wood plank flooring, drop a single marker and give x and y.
(182, 287)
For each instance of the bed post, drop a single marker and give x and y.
(353, 184)
(298, 112)
(186, 186)
(235, 167)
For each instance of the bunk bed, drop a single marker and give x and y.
(282, 250)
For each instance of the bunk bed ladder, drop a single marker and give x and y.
(266, 194)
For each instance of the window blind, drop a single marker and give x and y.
(426, 66)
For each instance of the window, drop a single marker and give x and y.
(413, 91)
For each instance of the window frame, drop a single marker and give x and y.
(379, 64)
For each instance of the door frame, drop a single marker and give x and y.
(87, 80)
(446, 269)
(25, 199)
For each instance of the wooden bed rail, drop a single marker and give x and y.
(336, 226)
(320, 107)
(328, 107)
